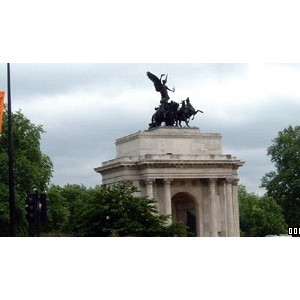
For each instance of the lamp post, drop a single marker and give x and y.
(12, 209)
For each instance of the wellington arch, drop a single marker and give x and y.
(185, 171)
(182, 168)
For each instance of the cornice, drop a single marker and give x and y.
(171, 164)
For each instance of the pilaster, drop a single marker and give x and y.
(149, 187)
(213, 207)
(229, 204)
(223, 205)
(200, 215)
(235, 203)
(167, 196)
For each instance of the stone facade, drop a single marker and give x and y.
(185, 171)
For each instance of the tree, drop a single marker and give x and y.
(112, 211)
(284, 183)
(260, 216)
(58, 211)
(32, 169)
(117, 212)
(64, 206)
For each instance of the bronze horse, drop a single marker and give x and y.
(172, 115)
(169, 112)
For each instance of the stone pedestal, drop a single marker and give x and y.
(185, 171)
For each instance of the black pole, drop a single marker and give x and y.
(12, 209)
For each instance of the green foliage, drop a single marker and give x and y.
(284, 183)
(112, 211)
(4, 209)
(64, 206)
(59, 213)
(32, 169)
(260, 216)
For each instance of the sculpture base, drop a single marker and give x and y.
(172, 127)
(169, 139)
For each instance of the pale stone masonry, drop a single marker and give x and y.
(185, 171)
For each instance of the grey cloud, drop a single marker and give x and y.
(58, 78)
(84, 108)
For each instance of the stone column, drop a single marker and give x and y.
(235, 199)
(200, 215)
(149, 187)
(213, 207)
(167, 196)
(229, 205)
(223, 208)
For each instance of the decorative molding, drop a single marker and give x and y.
(127, 182)
(212, 181)
(167, 181)
(235, 181)
(114, 164)
(229, 180)
(149, 181)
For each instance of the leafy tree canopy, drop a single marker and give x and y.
(283, 184)
(114, 211)
(32, 169)
(260, 216)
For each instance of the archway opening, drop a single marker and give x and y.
(184, 210)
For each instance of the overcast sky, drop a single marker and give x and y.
(84, 108)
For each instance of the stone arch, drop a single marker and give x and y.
(184, 208)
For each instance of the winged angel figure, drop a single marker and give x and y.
(160, 85)
(169, 112)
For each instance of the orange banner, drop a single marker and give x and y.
(1, 110)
